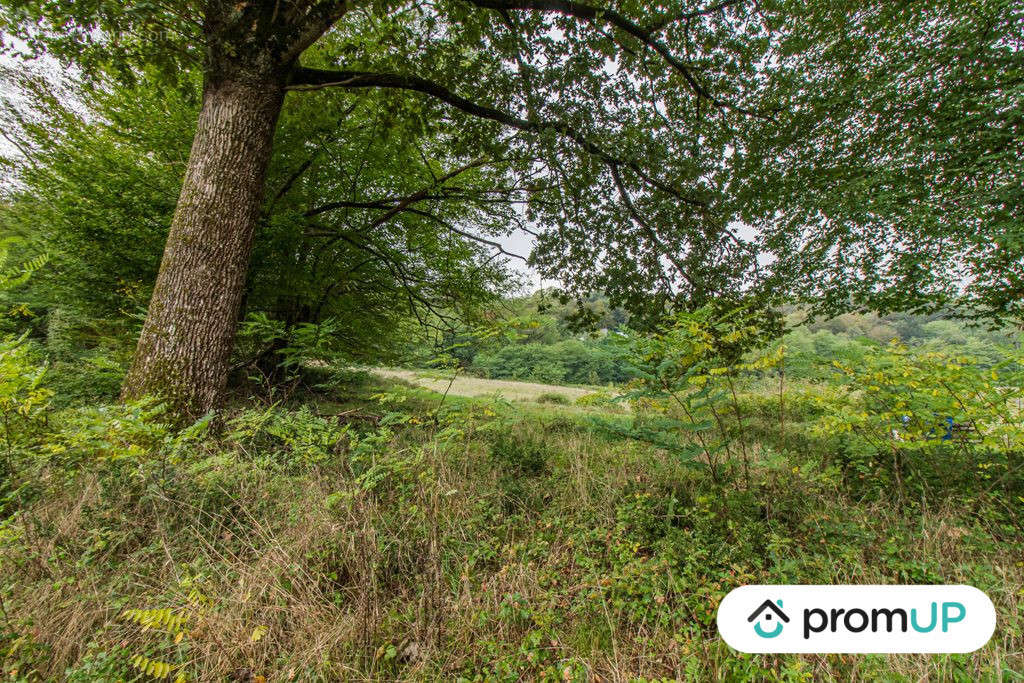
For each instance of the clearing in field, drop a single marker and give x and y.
(475, 386)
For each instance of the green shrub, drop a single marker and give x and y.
(134, 433)
(552, 397)
(520, 455)
(685, 397)
(24, 400)
(596, 398)
(520, 458)
(286, 439)
(919, 419)
(25, 406)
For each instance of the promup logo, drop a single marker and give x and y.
(766, 612)
(856, 619)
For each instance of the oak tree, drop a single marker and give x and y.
(615, 119)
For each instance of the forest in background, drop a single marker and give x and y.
(543, 341)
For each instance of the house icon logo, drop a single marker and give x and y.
(764, 616)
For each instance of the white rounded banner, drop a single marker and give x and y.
(856, 619)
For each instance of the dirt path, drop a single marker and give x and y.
(473, 386)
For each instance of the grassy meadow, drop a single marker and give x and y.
(459, 384)
(372, 529)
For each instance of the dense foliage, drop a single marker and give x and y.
(891, 178)
(543, 342)
(104, 173)
(566, 362)
(875, 146)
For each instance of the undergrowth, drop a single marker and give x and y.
(363, 530)
(388, 539)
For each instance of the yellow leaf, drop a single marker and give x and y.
(258, 633)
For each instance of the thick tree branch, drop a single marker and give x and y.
(312, 20)
(311, 79)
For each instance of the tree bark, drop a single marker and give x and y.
(186, 342)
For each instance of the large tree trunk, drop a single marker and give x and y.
(183, 352)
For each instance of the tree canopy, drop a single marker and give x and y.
(611, 140)
(879, 153)
(891, 178)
